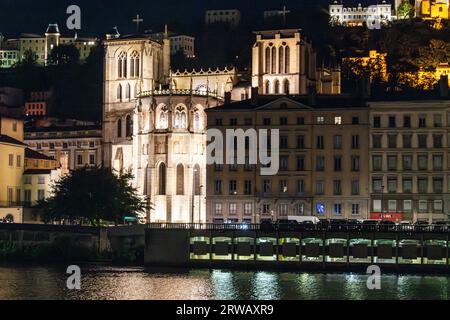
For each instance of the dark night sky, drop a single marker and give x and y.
(18, 16)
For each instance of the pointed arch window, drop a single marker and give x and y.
(180, 118)
(119, 92)
(287, 59)
(274, 60)
(134, 64)
(163, 118)
(128, 126)
(180, 179)
(122, 65)
(277, 86)
(267, 62)
(119, 128)
(128, 92)
(267, 87)
(162, 179)
(197, 121)
(286, 86)
(280, 60)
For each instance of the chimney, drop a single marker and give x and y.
(311, 95)
(227, 97)
(254, 97)
(443, 86)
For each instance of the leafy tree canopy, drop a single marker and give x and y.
(93, 195)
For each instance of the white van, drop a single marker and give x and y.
(301, 219)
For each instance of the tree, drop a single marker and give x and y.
(93, 195)
(405, 10)
(64, 54)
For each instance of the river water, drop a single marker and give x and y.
(105, 282)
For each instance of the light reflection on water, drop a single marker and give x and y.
(101, 282)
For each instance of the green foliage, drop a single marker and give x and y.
(405, 10)
(64, 54)
(93, 195)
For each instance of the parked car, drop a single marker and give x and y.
(405, 226)
(353, 225)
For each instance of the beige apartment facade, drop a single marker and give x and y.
(409, 161)
(323, 161)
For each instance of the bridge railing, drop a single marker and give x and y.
(301, 227)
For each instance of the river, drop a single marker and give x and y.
(108, 282)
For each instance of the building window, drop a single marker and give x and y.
(248, 208)
(218, 187)
(355, 141)
(337, 209)
(300, 209)
(423, 206)
(407, 205)
(300, 141)
(392, 141)
(407, 138)
(233, 187)
(438, 185)
(320, 163)
(283, 186)
(437, 140)
(79, 159)
(407, 162)
(406, 121)
(11, 160)
(300, 163)
(392, 184)
(232, 210)
(300, 186)
(320, 120)
(355, 187)
(320, 187)
(284, 142)
(337, 189)
(319, 142)
(40, 194)
(376, 141)
(392, 205)
(300, 121)
(437, 120)
(422, 139)
(128, 126)
(265, 208)
(407, 185)
(422, 185)
(355, 209)
(422, 161)
(92, 159)
(437, 206)
(218, 209)
(162, 179)
(437, 162)
(376, 205)
(19, 161)
(266, 186)
(337, 141)
(377, 163)
(422, 121)
(377, 184)
(355, 120)
(248, 187)
(338, 120)
(284, 209)
(377, 122)
(337, 163)
(355, 163)
(392, 163)
(392, 123)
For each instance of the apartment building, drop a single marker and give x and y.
(323, 160)
(409, 161)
